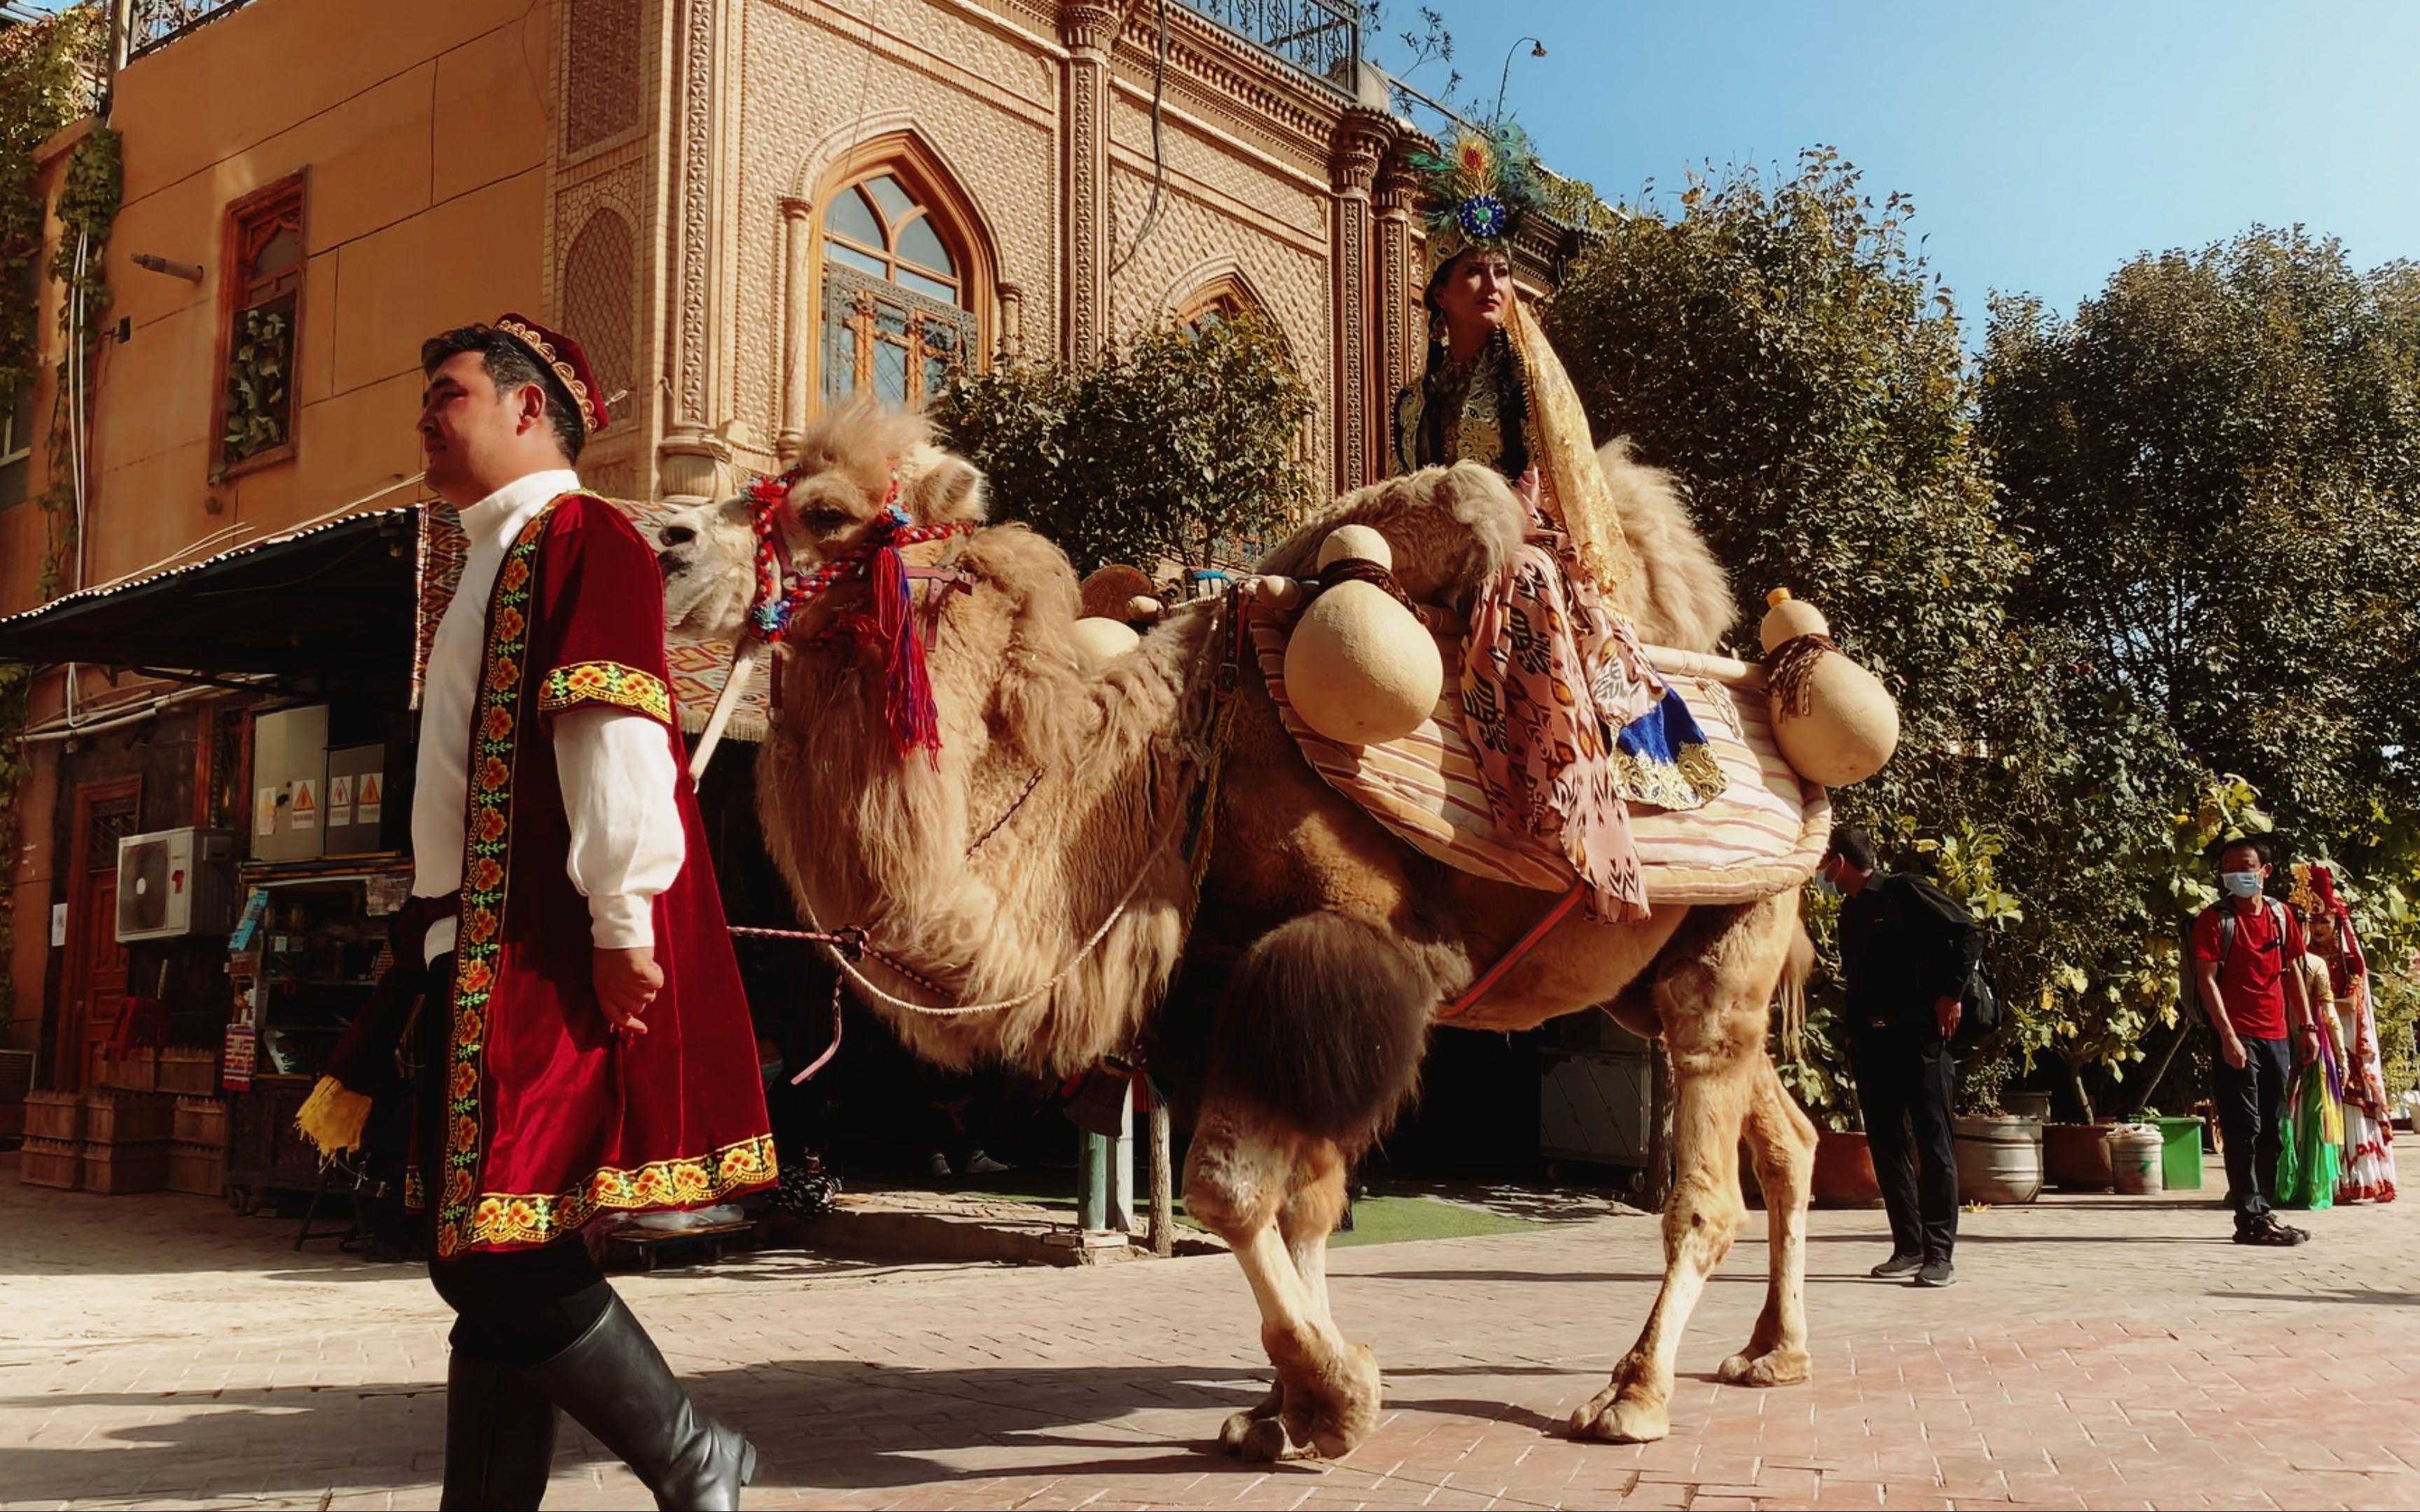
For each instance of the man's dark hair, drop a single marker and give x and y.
(509, 365)
(2260, 845)
(1854, 846)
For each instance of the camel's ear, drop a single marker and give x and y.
(948, 491)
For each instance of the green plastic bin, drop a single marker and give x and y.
(2180, 1153)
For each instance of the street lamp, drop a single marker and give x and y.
(1537, 49)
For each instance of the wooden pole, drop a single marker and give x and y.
(1163, 1194)
(743, 664)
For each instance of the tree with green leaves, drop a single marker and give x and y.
(1182, 444)
(2216, 466)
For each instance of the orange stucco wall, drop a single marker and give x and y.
(423, 129)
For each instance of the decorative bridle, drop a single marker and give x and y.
(888, 619)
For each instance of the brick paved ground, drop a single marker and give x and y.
(2102, 1352)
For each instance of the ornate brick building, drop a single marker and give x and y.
(759, 205)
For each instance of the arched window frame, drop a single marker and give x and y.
(905, 155)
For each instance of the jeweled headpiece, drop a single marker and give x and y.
(1475, 193)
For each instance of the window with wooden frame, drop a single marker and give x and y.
(265, 261)
(897, 318)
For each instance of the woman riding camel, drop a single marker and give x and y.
(1571, 721)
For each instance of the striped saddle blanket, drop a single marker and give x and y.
(1762, 836)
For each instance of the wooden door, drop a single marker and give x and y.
(94, 987)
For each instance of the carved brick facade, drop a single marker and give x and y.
(1027, 126)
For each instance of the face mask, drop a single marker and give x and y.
(1824, 885)
(2242, 883)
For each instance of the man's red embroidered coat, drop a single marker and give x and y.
(550, 1118)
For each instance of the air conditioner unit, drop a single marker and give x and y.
(174, 882)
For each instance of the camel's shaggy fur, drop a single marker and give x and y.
(1321, 947)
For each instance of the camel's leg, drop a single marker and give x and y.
(1309, 1216)
(1783, 1140)
(1712, 994)
(1240, 1177)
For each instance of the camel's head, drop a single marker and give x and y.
(839, 489)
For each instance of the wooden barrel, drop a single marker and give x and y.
(2134, 1151)
(1999, 1159)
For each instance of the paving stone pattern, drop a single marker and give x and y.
(2105, 1352)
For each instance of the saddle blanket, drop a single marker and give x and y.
(1763, 835)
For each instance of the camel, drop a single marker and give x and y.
(1027, 896)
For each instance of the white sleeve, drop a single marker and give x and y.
(619, 781)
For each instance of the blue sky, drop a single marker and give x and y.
(2045, 143)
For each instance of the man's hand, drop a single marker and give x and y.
(1948, 1010)
(2231, 1046)
(2309, 1040)
(1527, 489)
(626, 981)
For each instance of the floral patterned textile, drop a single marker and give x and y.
(605, 682)
(1546, 670)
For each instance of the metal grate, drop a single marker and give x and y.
(155, 24)
(598, 293)
(112, 822)
(1321, 37)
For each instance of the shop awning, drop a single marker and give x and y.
(328, 610)
(324, 610)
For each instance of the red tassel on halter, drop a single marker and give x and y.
(908, 707)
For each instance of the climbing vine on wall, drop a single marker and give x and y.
(86, 208)
(46, 70)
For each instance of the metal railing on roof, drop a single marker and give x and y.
(155, 24)
(1320, 38)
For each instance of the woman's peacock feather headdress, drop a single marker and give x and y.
(1477, 189)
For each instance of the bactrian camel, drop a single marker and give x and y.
(1288, 1016)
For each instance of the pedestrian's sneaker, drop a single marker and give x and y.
(938, 1166)
(1898, 1264)
(980, 1164)
(2271, 1233)
(1936, 1274)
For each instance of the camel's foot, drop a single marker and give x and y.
(1239, 1425)
(1774, 1368)
(1264, 1441)
(1628, 1410)
(1332, 1407)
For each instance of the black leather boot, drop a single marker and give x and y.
(499, 1437)
(615, 1384)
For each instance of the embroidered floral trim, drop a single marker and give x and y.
(605, 682)
(487, 829)
(1687, 783)
(514, 1218)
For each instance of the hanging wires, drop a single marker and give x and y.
(1159, 145)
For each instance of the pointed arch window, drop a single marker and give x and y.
(897, 318)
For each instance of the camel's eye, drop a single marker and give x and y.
(679, 535)
(826, 517)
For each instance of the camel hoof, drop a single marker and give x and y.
(1775, 1367)
(1336, 1413)
(1618, 1416)
(1264, 1441)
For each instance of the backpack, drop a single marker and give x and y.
(1979, 1011)
(2191, 995)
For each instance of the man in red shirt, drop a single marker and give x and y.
(2246, 948)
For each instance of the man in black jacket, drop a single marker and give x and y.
(1907, 949)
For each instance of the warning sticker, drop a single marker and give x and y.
(264, 813)
(365, 807)
(306, 804)
(340, 801)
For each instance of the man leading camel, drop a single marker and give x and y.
(585, 1043)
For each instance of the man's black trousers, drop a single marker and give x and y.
(515, 1307)
(2251, 1118)
(1904, 1085)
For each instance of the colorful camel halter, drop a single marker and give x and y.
(887, 621)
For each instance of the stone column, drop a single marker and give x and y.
(1012, 323)
(693, 460)
(800, 328)
(1399, 285)
(1353, 165)
(1088, 29)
